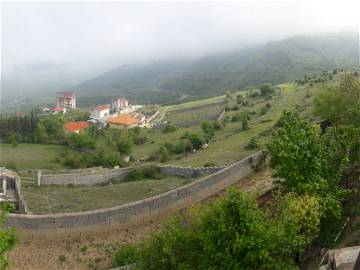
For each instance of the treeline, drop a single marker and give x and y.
(317, 168)
(101, 147)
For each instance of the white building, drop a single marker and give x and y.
(119, 104)
(100, 111)
(66, 100)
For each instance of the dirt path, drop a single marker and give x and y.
(97, 252)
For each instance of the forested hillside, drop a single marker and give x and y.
(274, 62)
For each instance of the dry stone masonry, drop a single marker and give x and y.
(84, 223)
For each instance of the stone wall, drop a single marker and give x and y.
(87, 177)
(188, 172)
(100, 221)
(100, 175)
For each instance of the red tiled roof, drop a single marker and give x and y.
(123, 119)
(102, 107)
(74, 126)
(57, 109)
(66, 94)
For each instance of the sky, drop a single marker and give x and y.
(55, 44)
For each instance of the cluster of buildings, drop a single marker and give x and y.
(118, 114)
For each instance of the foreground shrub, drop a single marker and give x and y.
(231, 233)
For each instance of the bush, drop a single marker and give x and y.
(245, 124)
(126, 255)
(169, 128)
(210, 164)
(196, 140)
(253, 144)
(143, 173)
(8, 207)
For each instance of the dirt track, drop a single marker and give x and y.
(96, 252)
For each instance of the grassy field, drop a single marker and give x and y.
(195, 103)
(30, 156)
(229, 144)
(61, 199)
(194, 114)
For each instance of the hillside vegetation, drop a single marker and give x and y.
(275, 62)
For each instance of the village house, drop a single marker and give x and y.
(122, 121)
(100, 111)
(66, 100)
(56, 110)
(76, 127)
(119, 104)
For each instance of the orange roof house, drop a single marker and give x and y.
(123, 120)
(76, 127)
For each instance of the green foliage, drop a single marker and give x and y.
(266, 89)
(340, 103)
(8, 207)
(126, 255)
(169, 128)
(253, 143)
(210, 164)
(302, 160)
(164, 154)
(14, 138)
(8, 240)
(125, 144)
(141, 173)
(245, 123)
(231, 233)
(196, 140)
(50, 130)
(81, 141)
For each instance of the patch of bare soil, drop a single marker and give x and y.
(97, 252)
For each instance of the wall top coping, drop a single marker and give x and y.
(127, 205)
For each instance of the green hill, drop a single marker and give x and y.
(275, 62)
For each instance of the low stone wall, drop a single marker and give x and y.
(100, 175)
(88, 177)
(100, 221)
(22, 206)
(188, 172)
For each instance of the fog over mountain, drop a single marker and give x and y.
(48, 46)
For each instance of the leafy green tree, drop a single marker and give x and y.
(245, 123)
(266, 89)
(81, 141)
(125, 144)
(14, 138)
(231, 233)
(169, 128)
(301, 160)
(340, 104)
(208, 129)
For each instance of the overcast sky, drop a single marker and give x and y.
(75, 40)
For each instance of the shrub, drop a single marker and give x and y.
(245, 124)
(169, 128)
(8, 207)
(210, 164)
(253, 143)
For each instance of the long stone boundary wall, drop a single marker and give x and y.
(102, 175)
(100, 221)
(188, 172)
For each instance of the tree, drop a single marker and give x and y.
(340, 104)
(302, 162)
(14, 138)
(231, 233)
(245, 123)
(266, 89)
(125, 144)
(81, 141)
(208, 129)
